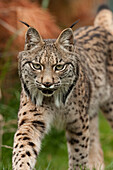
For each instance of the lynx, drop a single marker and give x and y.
(65, 81)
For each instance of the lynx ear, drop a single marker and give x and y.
(32, 38)
(66, 39)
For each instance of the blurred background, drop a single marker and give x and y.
(49, 17)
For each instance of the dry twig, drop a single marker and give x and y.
(6, 146)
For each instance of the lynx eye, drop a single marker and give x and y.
(36, 66)
(60, 67)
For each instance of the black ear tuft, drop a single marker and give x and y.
(74, 23)
(25, 23)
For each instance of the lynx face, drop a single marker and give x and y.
(46, 67)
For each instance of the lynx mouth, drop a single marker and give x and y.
(47, 92)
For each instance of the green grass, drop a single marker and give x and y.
(106, 136)
(53, 155)
(54, 152)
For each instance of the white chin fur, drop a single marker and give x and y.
(39, 99)
(58, 98)
(38, 96)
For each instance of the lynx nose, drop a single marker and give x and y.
(47, 84)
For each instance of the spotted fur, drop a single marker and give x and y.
(65, 82)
